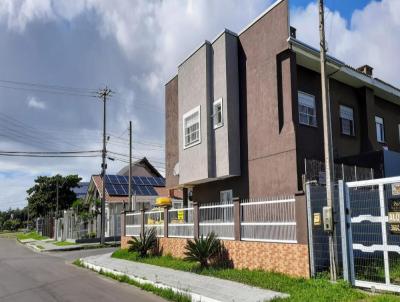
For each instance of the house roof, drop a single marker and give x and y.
(309, 57)
(97, 184)
(144, 163)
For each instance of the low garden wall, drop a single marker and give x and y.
(287, 258)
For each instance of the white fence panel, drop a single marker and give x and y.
(132, 224)
(272, 220)
(154, 219)
(180, 223)
(217, 218)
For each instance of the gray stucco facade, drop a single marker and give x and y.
(208, 75)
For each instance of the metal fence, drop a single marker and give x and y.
(315, 171)
(270, 220)
(217, 218)
(133, 224)
(155, 219)
(181, 223)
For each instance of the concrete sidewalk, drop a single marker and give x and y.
(48, 246)
(201, 288)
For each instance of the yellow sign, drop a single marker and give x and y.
(180, 215)
(394, 217)
(317, 218)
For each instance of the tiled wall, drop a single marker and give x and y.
(290, 259)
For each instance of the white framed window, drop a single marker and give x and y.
(347, 120)
(217, 114)
(191, 128)
(307, 111)
(380, 129)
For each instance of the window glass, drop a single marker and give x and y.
(217, 113)
(307, 112)
(192, 128)
(380, 129)
(346, 120)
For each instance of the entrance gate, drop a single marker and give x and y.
(371, 234)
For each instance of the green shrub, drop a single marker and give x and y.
(203, 250)
(147, 241)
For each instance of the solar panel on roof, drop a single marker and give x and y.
(145, 180)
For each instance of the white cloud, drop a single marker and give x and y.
(33, 102)
(369, 38)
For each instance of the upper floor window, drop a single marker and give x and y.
(380, 129)
(307, 112)
(217, 114)
(191, 127)
(347, 120)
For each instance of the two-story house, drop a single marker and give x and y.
(244, 111)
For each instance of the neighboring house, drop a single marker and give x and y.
(141, 167)
(244, 111)
(147, 185)
(81, 190)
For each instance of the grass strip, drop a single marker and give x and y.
(299, 289)
(165, 293)
(64, 243)
(30, 235)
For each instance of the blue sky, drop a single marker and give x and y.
(345, 7)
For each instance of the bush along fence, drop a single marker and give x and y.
(258, 233)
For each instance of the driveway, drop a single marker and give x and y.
(29, 276)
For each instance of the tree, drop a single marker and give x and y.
(42, 197)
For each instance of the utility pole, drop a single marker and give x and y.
(103, 94)
(327, 136)
(130, 206)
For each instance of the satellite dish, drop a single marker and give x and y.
(176, 169)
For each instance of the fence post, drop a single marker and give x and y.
(310, 230)
(236, 218)
(123, 223)
(142, 211)
(166, 222)
(196, 221)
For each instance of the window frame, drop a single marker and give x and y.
(352, 130)
(315, 125)
(184, 118)
(383, 128)
(221, 123)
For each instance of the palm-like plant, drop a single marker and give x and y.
(203, 250)
(147, 241)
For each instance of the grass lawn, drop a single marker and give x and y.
(30, 235)
(319, 289)
(64, 243)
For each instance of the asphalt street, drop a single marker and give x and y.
(26, 275)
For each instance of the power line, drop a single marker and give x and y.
(50, 152)
(47, 86)
(48, 91)
(45, 156)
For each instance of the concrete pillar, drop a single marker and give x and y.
(123, 223)
(236, 218)
(196, 228)
(301, 218)
(166, 222)
(185, 197)
(142, 211)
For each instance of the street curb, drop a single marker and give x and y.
(195, 297)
